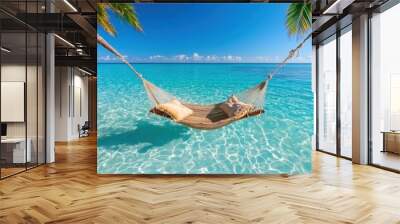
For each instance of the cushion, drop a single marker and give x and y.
(233, 107)
(175, 109)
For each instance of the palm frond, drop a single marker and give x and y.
(298, 18)
(103, 19)
(124, 11)
(127, 13)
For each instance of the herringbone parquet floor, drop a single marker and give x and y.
(70, 191)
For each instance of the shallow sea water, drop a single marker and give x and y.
(132, 141)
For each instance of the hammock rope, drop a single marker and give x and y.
(208, 116)
(292, 53)
(105, 44)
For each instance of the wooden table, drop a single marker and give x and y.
(391, 141)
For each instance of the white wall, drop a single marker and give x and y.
(62, 81)
(71, 87)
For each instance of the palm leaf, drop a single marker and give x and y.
(124, 11)
(298, 18)
(103, 19)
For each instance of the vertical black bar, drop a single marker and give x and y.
(384, 141)
(369, 79)
(338, 124)
(45, 90)
(26, 86)
(45, 96)
(317, 96)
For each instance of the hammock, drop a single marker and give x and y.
(207, 117)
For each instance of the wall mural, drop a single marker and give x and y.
(204, 88)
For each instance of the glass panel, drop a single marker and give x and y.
(23, 89)
(327, 96)
(31, 100)
(386, 89)
(13, 88)
(32, 87)
(346, 94)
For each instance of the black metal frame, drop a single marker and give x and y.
(338, 98)
(316, 97)
(44, 80)
(369, 113)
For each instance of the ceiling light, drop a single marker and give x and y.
(5, 50)
(70, 5)
(65, 41)
(79, 51)
(86, 72)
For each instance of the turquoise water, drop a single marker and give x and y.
(132, 141)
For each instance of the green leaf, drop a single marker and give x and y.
(124, 11)
(103, 19)
(298, 18)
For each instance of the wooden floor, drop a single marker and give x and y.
(387, 159)
(5, 172)
(70, 191)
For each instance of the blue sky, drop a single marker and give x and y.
(234, 33)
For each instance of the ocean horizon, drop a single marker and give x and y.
(99, 62)
(131, 140)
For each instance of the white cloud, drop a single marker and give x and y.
(156, 57)
(198, 58)
(107, 58)
(181, 57)
(211, 58)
